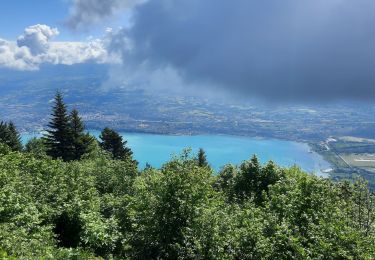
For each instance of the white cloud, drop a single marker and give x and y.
(12, 56)
(69, 53)
(37, 37)
(34, 48)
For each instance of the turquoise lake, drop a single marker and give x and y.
(220, 150)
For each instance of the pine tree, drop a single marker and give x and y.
(4, 132)
(58, 137)
(202, 160)
(76, 123)
(10, 136)
(81, 142)
(112, 142)
(14, 138)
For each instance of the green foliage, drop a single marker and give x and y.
(102, 207)
(320, 216)
(167, 203)
(250, 180)
(10, 136)
(58, 137)
(202, 158)
(4, 149)
(112, 142)
(81, 142)
(36, 147)
(65, 138)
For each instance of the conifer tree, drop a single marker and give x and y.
(81, 142)
(58, 137)
(76, 123)
(14, 138)
(10, 136)
(4, 132)
(112, 142)
(202, 159)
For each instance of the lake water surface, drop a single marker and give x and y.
(220, 150)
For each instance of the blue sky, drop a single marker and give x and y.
(16, 15)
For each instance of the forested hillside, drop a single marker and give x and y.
(70, 196)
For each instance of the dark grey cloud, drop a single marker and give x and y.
(87, 12)
(290, 49)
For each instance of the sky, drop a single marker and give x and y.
(277, 50)
(15, 16)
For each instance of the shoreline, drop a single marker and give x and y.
(257, 137)
(323, 171)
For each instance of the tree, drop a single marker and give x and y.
(4, 132)
(58, 137)
(81, 142)
(226, 180)
(254, 179)
(247, 179)
(202, 160)
(112, 142)
(15, 138)
(168, 205)
(36, 146)
(10, 136)
(76, 123)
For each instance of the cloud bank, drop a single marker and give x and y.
(290, 49)
(35, 47)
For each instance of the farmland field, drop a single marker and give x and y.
(351, 157)
(364, 161)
